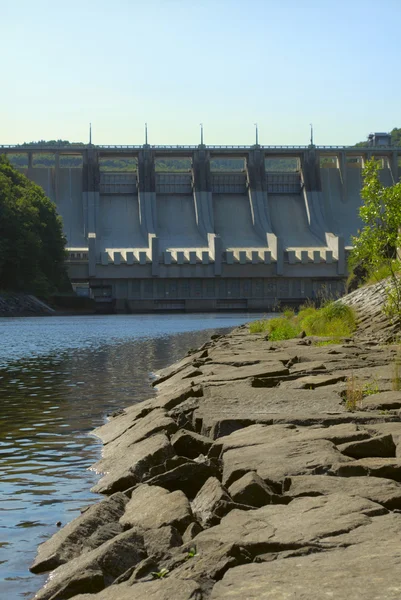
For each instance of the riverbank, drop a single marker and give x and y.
(261, 470)
(13, 304)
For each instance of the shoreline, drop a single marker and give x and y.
(247, 477)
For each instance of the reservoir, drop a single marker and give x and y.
(59, 379)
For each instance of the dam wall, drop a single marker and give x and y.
(276, 229)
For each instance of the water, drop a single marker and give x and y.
(59, 377)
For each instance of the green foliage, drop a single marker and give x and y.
(192, 553)
(160, 574)
(334, 320)
(32, 244)
(282, 328)
(376, 245)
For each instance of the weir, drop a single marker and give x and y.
(205, 239)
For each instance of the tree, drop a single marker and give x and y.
(375, 247)
(32, 244)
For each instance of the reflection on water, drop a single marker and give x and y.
(59, 377)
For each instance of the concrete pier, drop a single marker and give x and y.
(207, 239)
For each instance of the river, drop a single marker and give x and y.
(59, 378)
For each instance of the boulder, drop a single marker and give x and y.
(95, 526)
(275, 462)
(159, 542)
(163, 589)
(95, 570)
(389, 468)
(383, 401)
(381, 446)
(208, 499)
(366, 571)
(188, 477)
(380, 490)
(190, 444)
(124, 469)
(305, 522)
(151, 507)
(252, 490)
(154, 422)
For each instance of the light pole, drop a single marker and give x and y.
(146, 134)
(256, 134)
(201, 132)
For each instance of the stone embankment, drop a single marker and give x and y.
(22, 305)
(247, 477)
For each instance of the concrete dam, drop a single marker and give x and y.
(277, 229)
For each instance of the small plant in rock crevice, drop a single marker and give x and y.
(354, 394)
(160, 574)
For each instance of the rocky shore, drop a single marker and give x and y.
(260, 471)
(22, 305)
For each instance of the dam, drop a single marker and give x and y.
(275, 229)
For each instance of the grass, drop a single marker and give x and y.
(354, 394)
(333, 320)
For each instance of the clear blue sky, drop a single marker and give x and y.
(175, 63)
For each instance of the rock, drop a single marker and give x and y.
(188, 477)
(125, 469)
(159, 542)
(154, 422)
(191, 531)
(275, 461)
(151, 507)
(190, 444)
(365, 571)
(95, 570)
(215, 372)
(208, 499)
(91, 529)
(389, 468)
(382, 401)
(163, 589)
(302, 523)
(252, 490)
(311, 382)
(307, 367)
(381, 446)
(383, 491)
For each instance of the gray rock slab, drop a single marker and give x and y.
(382, 491)
(303, 522)
(92, 528)
(382, 401)
(226, 373)
(381, 446)
(159, 542)
(151, 507)
(190, 444)
(389, 468)
(188, 477)
(307, 367)
(368, 571)
(207, 500)
(154, 422)
(164, 589)
(250, 489)
(276, 461)
(96, 570)
(264, 434)
(124, 469)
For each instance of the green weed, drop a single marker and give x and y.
(160, 574)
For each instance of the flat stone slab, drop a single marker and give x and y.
(86, 532)
(124, 469)
(382, 401)
(255, 435)
(383, 491)
(157, 421)
(381, 446)
(368, 571)
(151, 507)
(389, 468)
(276, 461)
(96, 570)
(164, 589)
(303, 522)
